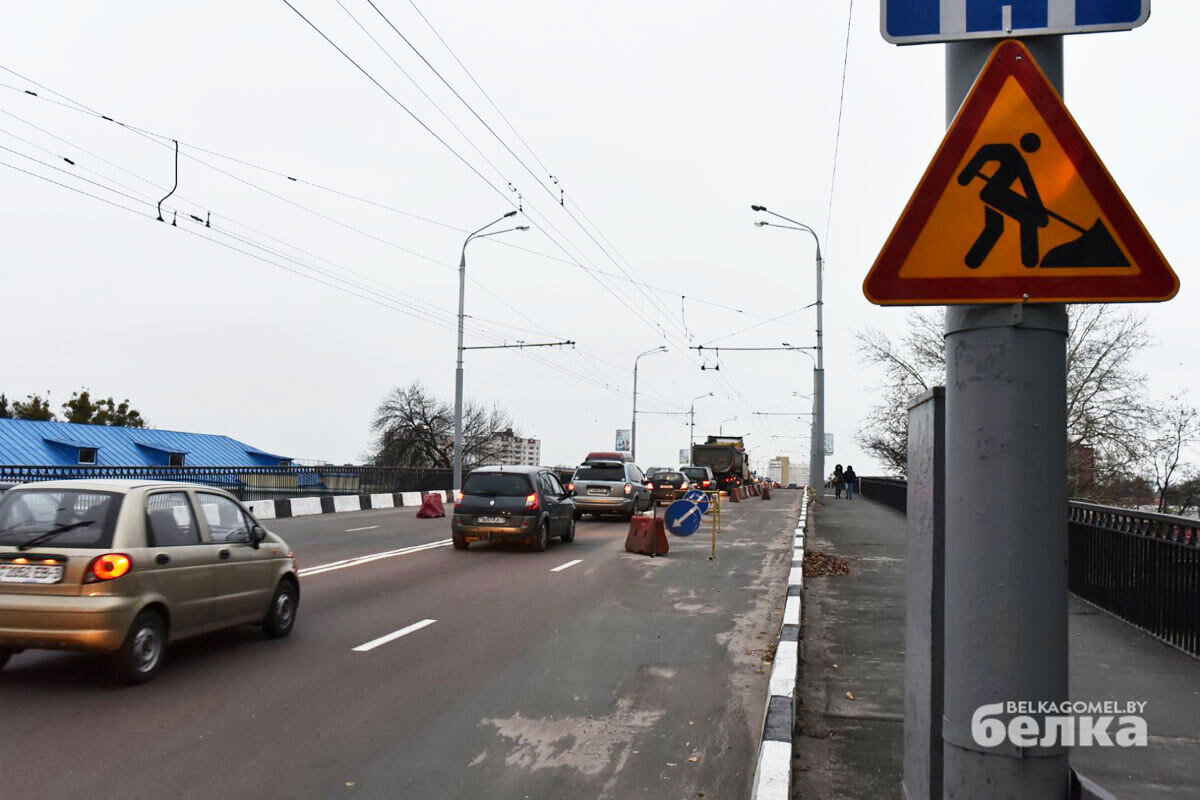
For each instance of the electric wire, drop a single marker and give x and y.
(837, 138)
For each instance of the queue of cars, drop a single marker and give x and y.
(125, 568)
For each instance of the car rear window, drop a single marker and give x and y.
(497, 484)
(28, 513)
(674, 477)
(696, 473)
(593, 473)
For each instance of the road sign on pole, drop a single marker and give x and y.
(682, 518)
(1017, 207)
(925, 21)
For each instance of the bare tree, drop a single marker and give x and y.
(911, 365)
(1107, 414)
(414, 428)
(1177, 429)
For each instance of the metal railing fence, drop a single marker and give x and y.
(256, 483)
(1137, 565)
(891, 492)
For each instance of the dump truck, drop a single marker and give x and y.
(727, 457)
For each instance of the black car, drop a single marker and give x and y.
(667, 486)
(512, 503)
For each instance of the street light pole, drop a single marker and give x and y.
(721, 428)
(692, 424)
(458, 371)
(816, 458)
(633, 424)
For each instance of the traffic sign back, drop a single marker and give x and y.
(924, 21)
(1015, 207)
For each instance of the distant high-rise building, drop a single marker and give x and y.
(515, 449)
(779, 469)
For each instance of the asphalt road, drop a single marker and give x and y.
(580, 672)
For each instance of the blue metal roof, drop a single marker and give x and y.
(28, 442)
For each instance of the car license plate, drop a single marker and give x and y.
(598, 490)
(30, 573)
(491, 520)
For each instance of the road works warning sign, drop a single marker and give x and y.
(1016, 206)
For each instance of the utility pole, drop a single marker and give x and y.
(458, 371)
(1006, 506)
(633, 424)
(692, 425)
(816, 457)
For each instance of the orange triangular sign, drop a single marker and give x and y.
(1017, 207)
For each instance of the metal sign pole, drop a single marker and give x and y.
(1006, 529)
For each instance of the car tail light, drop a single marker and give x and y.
(531, 502)
(107, 567)
(649, 484)
(707, 484)
(458, 496)
(683, 485)
(629, 488)
(571, 486)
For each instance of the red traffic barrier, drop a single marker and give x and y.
(766, 493)
(431, 506)
(647, 536)
(734, 491)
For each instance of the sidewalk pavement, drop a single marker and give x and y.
(850, 693)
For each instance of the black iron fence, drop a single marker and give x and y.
(889, 491)
(257, 483)
(1140, 566)
(1137, 565)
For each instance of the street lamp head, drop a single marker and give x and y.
(509, 214)
(761, 224)
(522, 227)
(758, 208)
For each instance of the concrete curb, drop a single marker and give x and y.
(336, 504)
(773, 774)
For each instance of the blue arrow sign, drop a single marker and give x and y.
(682, 518)
(919, 21)
(699, 498)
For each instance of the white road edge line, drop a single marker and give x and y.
(354, 562)
(368, 528)
(371, 645)
(567, 565)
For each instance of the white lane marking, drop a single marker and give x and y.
(567, 565)
(367, 528)
(371, 645)
(354, 562)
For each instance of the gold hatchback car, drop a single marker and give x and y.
(126, 567)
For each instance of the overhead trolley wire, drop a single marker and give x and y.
(164, 140)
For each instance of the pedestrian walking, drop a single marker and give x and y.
(849, 477)
(838, 481)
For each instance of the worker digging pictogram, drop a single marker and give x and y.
(1094, 247)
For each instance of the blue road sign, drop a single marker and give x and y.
(682, 518)
(919, 21)
(699, 498)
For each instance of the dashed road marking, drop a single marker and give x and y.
(394, 635)
(567, 565)
(367, 528)
(367, 559)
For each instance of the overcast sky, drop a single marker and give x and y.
(662, 121)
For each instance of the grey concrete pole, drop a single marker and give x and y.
(458, 372)
(1006, 528)
(817, 458)
(633, 424)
